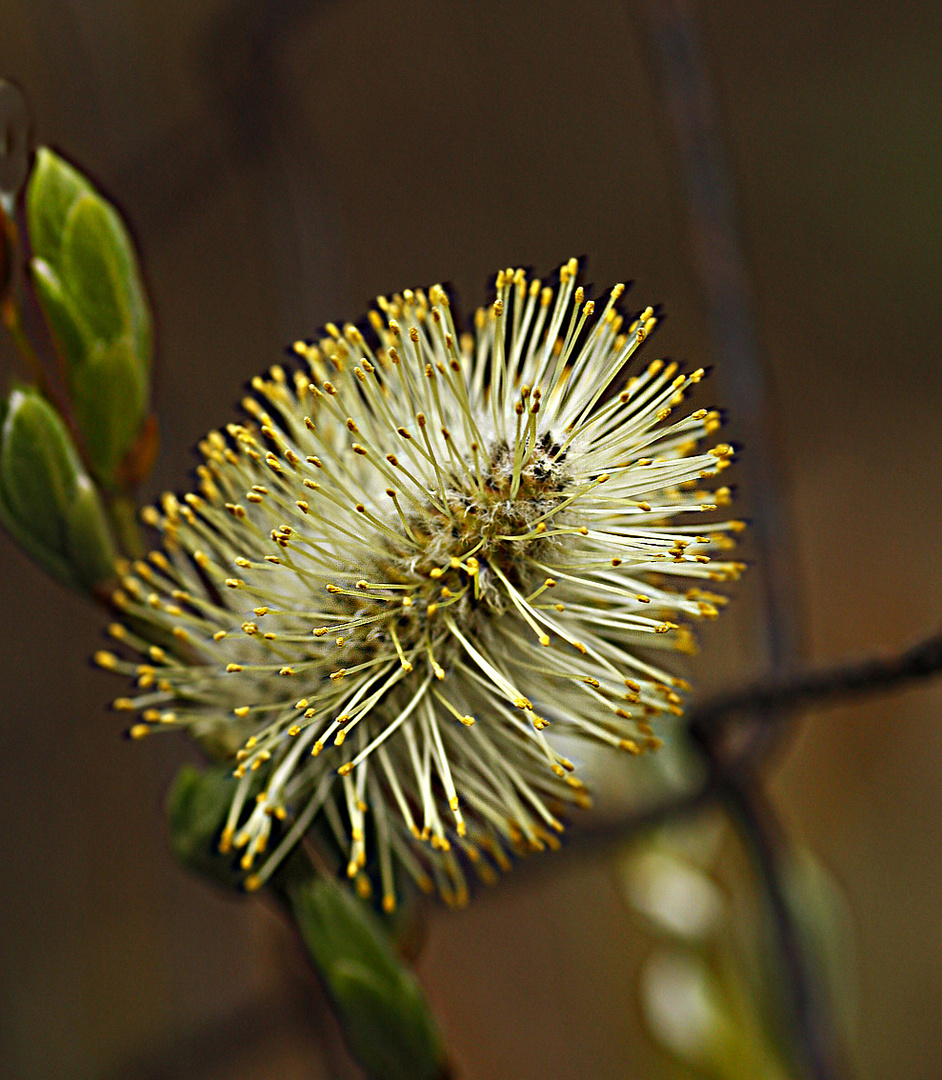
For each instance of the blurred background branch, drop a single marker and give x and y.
(681, 74)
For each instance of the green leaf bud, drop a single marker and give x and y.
(89, 287)
(48, 503)
(386, 1019)
(197, 805)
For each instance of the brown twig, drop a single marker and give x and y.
(822, 686)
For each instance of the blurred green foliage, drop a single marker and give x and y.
(712, 991)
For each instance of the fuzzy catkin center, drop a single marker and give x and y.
(486, 530)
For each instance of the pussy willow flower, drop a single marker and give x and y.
(425, 556)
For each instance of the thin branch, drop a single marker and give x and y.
(731, 779)
(822, 686)
(816, 1042)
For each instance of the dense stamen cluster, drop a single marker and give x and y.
(422, 551)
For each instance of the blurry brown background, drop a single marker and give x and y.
(281, 163)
